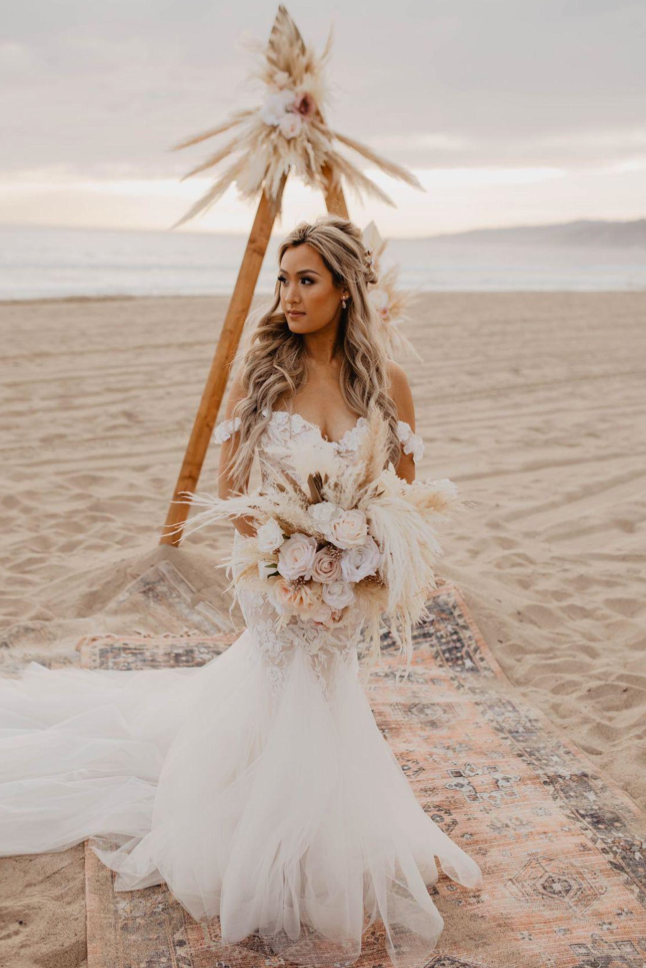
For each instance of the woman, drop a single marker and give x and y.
(258, 787)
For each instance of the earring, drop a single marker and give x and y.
(343, 303)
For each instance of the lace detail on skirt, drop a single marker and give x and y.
(276, 647)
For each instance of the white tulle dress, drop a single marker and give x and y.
(258, 787)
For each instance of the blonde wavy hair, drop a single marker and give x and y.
(274, 363)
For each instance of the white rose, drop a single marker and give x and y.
(270, 537)
(324, 513)
(290, 125)
(326, 567)
(358, 562)
(274, 107)
(349, 529)
(338, 594)
(296, 557)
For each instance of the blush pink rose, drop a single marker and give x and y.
(326, 567)
(281, 595)
(304, 105)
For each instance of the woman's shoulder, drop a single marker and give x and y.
(400, 392)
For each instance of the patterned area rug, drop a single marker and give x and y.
(562, 848)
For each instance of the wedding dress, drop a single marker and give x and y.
(258, 787)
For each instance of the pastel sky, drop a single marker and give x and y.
(509, 111)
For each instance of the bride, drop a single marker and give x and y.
(258, 787)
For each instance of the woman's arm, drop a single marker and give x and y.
(402, 397)
(244, 524)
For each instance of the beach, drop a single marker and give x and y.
(532, 403)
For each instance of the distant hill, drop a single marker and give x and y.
(581, 234)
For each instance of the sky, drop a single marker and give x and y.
(508, 111)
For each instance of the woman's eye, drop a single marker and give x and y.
(304, 279)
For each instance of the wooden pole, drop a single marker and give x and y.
(334, 197)
(224, 355)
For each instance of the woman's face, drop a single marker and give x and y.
(308, 296)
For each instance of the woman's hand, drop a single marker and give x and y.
(245, 525)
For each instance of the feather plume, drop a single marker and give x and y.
(391, 304)
(236, 118)
(214, 159)
(372, 455)
(285, 41)
(356, 179)
(389, 167)
(214, 193)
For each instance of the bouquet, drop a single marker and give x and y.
(338, 542)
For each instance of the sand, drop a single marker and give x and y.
(533, 403)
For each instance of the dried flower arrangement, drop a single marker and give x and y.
(286, 132)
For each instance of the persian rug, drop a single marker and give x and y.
(561, 847)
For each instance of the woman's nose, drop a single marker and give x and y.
(291, 295)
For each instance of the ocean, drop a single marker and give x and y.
(53, 263)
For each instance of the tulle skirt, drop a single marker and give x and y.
(282, 812)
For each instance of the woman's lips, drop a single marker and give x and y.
(294, 313)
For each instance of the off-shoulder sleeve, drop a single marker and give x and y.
(411, 442)
(225, 429)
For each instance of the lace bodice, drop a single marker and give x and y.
(324, 648)
(283, 425)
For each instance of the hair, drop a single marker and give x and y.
(274, 363)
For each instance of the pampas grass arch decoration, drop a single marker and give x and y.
(286, 133)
